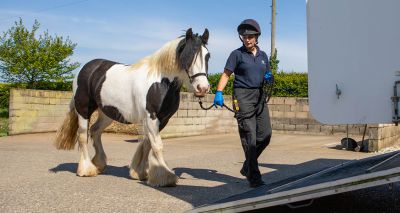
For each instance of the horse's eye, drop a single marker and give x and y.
(181, 48)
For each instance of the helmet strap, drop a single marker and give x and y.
(256, 39)
(240, 38)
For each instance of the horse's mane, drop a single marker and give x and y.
(175, 56)
(163, 60)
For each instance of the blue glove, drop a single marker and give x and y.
(268, 77)
(218, 99)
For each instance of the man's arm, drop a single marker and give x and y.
(223, 80)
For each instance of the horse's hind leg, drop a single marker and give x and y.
(159, 173)
(140, 163)
(85, 167)
(100, 158)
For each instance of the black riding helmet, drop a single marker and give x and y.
(249, 27)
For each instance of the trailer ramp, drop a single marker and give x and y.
(345, 177)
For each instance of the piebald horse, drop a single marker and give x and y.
(146, 92)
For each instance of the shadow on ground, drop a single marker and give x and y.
(110, 170)
(198, 195)
(132, 141)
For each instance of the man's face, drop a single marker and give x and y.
(249, 41)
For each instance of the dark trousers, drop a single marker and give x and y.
(254, 128)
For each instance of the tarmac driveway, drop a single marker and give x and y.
(35, 177)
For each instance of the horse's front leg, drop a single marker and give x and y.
(140, 164)
(85, 167)
(159, 173)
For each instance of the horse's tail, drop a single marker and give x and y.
(67, 134)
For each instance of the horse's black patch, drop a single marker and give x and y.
(112, 112)
(90, 80)
(162, 100)
(207, 59)
(189, 47)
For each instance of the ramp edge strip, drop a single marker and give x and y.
(305, 193)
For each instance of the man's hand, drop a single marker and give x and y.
(218, 99)
(268, 77)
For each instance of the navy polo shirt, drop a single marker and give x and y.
(249, 69)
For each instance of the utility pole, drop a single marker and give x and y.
(273, 15)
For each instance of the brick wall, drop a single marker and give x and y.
(382, 136)
(34, 111)
(293, 115)
(43, 111)
(192, 120)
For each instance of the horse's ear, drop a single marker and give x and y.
(189, 33)
(204, 37)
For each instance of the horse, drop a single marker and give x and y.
(146, 92)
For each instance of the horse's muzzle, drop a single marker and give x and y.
(199, 95)
(201, 91)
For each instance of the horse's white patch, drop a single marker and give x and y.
(200, 83)
(126, 90)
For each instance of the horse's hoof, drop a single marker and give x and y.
(162, 177)
(87, 174)
(171, 182)
(88, 170)
(101, 169)
(136, 176)
(100, 163)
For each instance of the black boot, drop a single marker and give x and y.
(244, 169)
(255, 184)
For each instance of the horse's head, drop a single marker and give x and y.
(193, 56)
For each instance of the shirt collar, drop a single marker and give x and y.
(244, 49)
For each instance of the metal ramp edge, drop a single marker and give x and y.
(368, 179)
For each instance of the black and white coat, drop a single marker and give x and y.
(147, 92)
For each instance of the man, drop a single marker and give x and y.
(251, 67)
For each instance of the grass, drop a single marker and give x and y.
(3, 127)
(3, 122)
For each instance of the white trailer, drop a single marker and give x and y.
(353, 60)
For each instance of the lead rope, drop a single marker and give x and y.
(238, 115)
(208, 108)
(267, 89)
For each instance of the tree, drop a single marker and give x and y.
(273, 62)
(26, 59)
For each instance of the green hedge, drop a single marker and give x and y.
(4, 96)
(290, 85)
(59, 86)
(213, 79)
(286, 84)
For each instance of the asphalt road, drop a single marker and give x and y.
(35, 177)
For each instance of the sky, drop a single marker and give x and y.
(128, 30)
